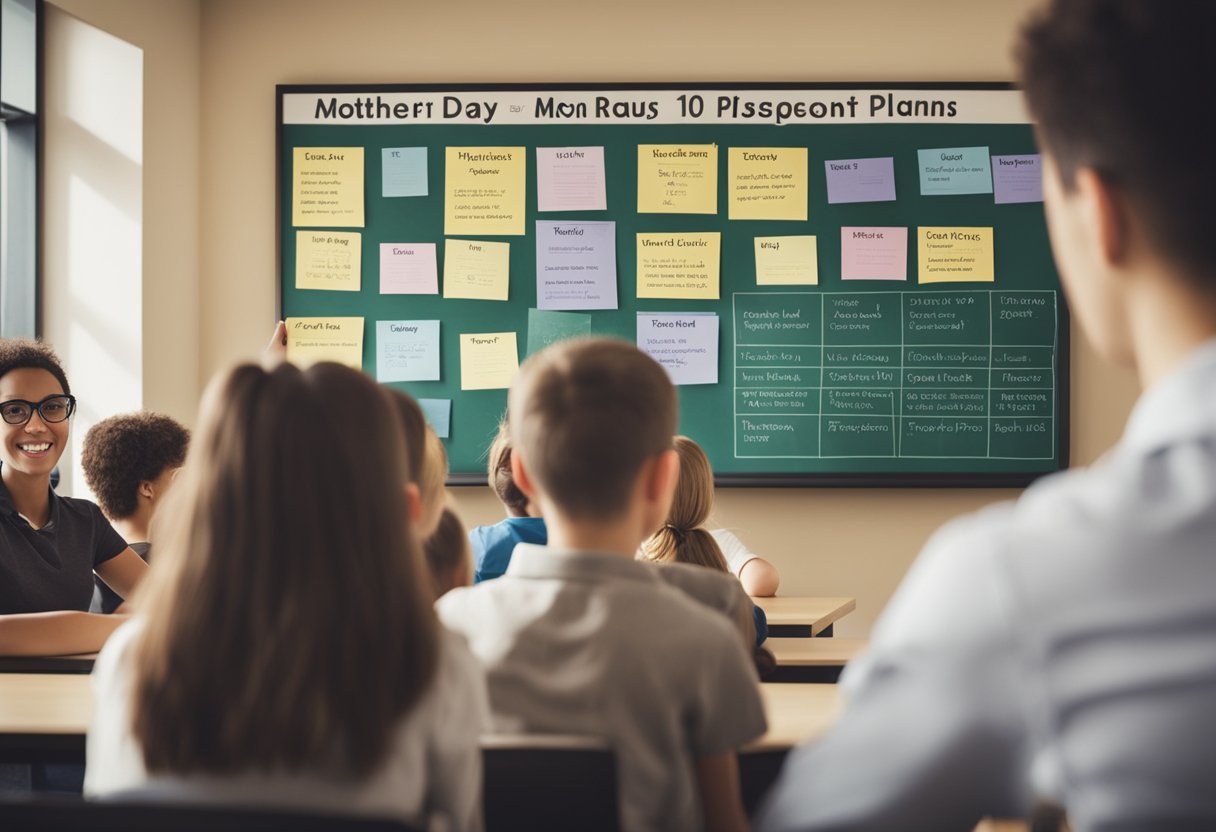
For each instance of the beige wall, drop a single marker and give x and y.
(845, 542)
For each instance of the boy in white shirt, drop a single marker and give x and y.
(1063, 646)
(578, 637)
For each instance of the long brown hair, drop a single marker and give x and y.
(288, 616)
(682, 539)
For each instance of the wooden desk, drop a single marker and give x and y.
(44, 717)
(796, 713)
(811, 659)
(802, 617)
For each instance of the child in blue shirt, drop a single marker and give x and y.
(492, 545)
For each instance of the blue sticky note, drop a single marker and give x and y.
(407, 350)
(403, 171)
(947, 171)
(438, 413)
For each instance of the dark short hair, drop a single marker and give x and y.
(1122, 87)
(122, 451)
(26, 353)
(585, 415)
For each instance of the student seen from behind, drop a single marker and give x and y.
(682, 537)
(129, 462)
(492, 545)
(447, 554)
(50, 545)
(1062, 646)
(285, 651)
(579, 637)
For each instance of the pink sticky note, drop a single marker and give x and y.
(408, 269)
(874, 253)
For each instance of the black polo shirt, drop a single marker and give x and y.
(48, 569)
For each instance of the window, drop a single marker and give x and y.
(19, 40)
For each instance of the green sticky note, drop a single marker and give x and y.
(545, 327)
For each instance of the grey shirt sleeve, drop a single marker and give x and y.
(934, 734)
(727, 711)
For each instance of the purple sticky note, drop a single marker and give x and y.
(408, 269)
(874, 253)
(861, 180)
(1017, 178)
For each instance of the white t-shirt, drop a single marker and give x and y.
(737, 555)
(434, 766)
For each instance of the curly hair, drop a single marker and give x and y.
(122, 451)
(26, 353)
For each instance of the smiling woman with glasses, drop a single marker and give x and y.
(50, 546)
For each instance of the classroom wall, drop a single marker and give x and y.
(826, 542)
(120, 213)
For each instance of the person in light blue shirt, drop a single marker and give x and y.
(1063, 646)
(492, 545)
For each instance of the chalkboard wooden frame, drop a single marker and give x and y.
(1061, 411)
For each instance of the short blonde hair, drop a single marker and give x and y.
(683, 539)
(585, 415)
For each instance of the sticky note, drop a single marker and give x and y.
(545, 327)
(874, 253)
(576, 265)
(677, 179)
(767, 183)
(327, 186)
(787, 261)
(860, 180)
(403, 171)
(484, 190)
(438, 413)
(946, 171)
(407, 350)
(570, 179)
(679, 265)
(329, 260)
(476, 269)
(408, 269)
(1017, 178)
(310, 340)
(685, 344)
(955, 255)
(488, 360)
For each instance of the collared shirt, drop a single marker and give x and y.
(601, 645)
(1063, 646)
(51, 568)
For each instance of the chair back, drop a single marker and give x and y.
(541, 782)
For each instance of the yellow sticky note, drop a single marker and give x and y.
(679, 265)
(955, 255)
(310, 340)
(476, 269)
(484, 190)
(677, 179)
(767, 183)
(327, 186)
(787, 261)
(488, 361)
(329, 260)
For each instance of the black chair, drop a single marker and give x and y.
(540, 782)
(75, 815)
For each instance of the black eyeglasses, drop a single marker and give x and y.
(51, 409)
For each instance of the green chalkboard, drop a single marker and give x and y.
(846, 382)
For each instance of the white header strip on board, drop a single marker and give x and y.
(670, 106)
